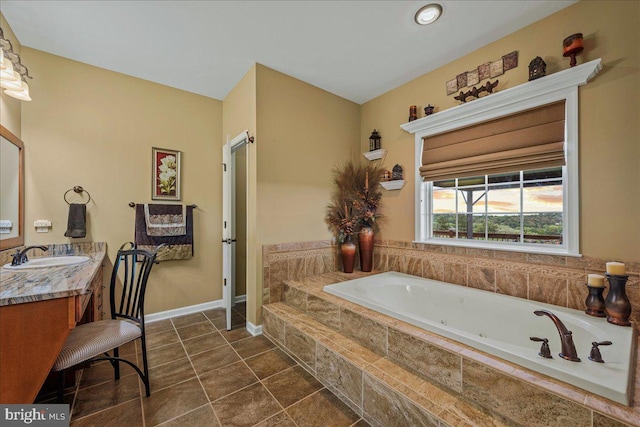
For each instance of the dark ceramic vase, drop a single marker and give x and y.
(365, 241)
(617, 304)
(348, 252)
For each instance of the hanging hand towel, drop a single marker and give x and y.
(77, 222)
(177, 247)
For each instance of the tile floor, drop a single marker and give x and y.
(203, 375)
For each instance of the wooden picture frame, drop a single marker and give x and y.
(165, 180)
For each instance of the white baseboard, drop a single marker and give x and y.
(161, 315)
(253, 329)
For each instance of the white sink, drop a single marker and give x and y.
(54, 261)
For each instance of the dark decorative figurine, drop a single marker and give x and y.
(428, 110)
(475, 92)
(374, 141)
(537, 68)
(397, 172)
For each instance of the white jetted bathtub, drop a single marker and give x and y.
(501, 325)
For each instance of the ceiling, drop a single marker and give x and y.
(355, 49)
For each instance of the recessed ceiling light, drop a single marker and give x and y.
(428, 14)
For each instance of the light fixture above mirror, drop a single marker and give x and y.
(13, 73)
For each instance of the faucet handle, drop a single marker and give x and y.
(595, 351)
(15, 258)
(545, 351)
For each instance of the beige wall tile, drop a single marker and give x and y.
(520, 402)
(389, 408)
(273, 325)
(455, 273)
(301, 345)
(369, 333)
(323, 311)
(295, 298)
(482, 278)
(433, 269)
(296, 268)
(511, 283)
(548, 289)
(339, 373)
(426, 360)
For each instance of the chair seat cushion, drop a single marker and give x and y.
(93, 339)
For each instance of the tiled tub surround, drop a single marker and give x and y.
(384, 367)
(501, 326)
(552, 279)
(29, 285)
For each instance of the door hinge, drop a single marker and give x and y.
(224, 167)
(225, 282)
(225, 224)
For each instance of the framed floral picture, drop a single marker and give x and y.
(166, 174)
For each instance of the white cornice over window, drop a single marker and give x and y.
(545, 90)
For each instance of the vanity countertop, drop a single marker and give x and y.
(39, 284)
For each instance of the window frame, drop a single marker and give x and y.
(556, 87)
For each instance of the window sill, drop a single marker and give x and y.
(544, 250)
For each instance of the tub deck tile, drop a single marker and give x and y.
(542, 384)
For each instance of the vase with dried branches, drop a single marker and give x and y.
(342, 224)
(357, 185)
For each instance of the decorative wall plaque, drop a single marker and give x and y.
(497, 68)
(472, 77)
(482, 72)
(510, 60)
(452, 86)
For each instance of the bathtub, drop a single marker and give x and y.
(501, 325)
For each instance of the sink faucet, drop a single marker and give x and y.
(566, 338)
(20, 257)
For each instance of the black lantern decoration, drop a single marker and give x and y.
(374, 141)
(396, 172)
(537, 68)
(428, 110)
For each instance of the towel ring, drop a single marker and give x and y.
(76, 189)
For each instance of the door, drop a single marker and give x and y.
(228, 217)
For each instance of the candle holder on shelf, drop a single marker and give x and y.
(617, 304)
(595, 302)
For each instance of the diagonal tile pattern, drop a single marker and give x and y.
(203, 375)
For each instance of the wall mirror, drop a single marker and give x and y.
(11, 190)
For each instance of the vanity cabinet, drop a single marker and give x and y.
(32, 334)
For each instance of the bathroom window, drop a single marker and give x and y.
(524, 207)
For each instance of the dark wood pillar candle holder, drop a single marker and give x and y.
(617, 304)
(595, 302)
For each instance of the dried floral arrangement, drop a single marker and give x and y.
(355, 200)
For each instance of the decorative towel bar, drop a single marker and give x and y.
(133, 205)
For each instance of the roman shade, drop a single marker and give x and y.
(532, 139)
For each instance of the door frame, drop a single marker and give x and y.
(228, 239)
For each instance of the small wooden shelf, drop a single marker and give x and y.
(396, 184)
(375, 154)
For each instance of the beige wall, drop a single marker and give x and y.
(609, 120)
(10, 113)
(304, 132)
(95, 128)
